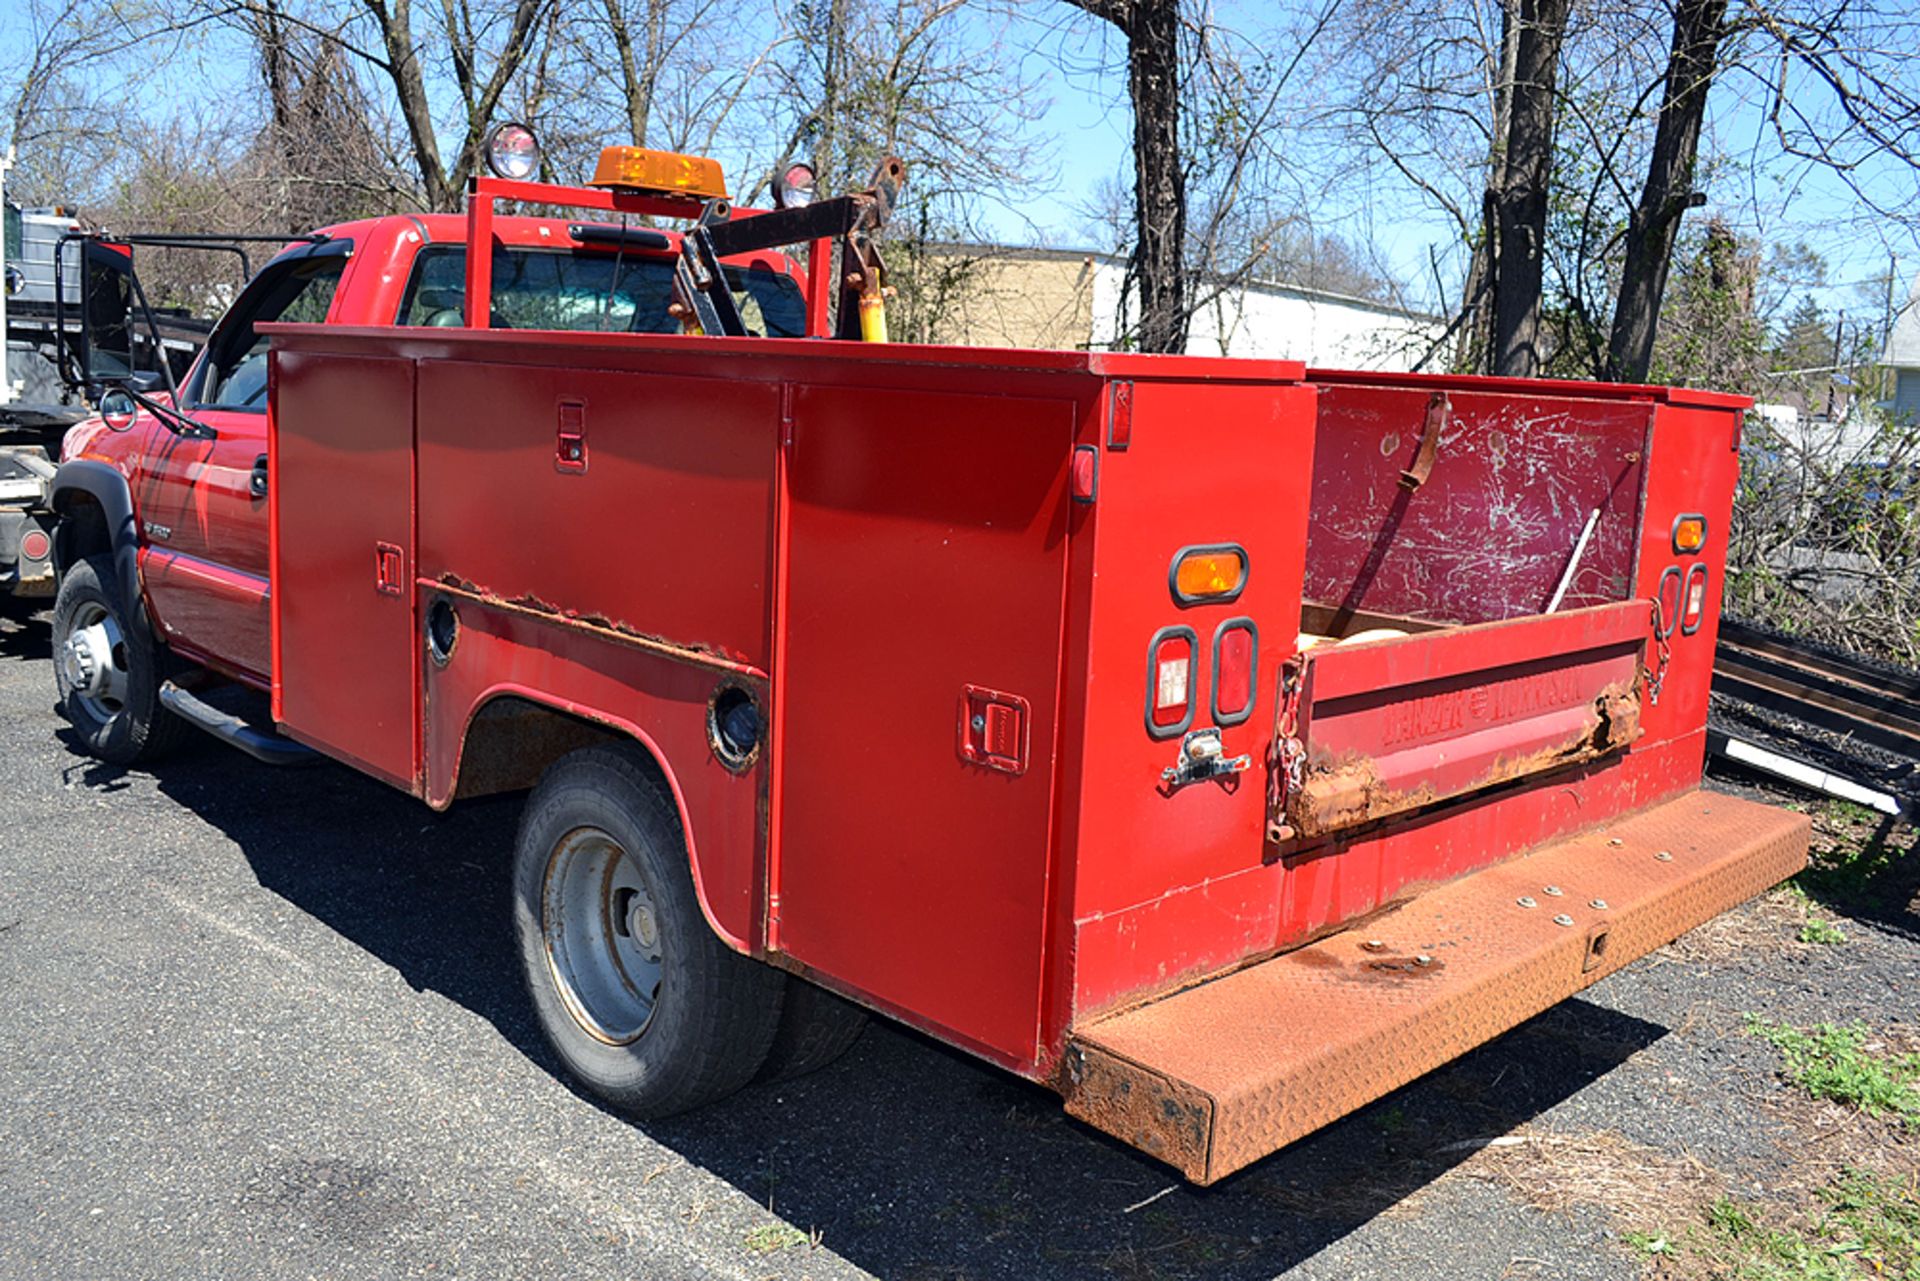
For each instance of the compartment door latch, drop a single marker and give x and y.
(995, 729)
(389, 569)
(570, 439)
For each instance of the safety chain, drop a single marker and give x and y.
(1286, 757)
(1658, 677)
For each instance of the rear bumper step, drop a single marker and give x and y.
(1214, 1078)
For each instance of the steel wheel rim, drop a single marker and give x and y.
(94, 661)
(601, 932)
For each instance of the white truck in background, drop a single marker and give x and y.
(64, 315)
(35, 407)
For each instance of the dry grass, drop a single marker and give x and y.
(1772, 923)
(1828, 1138)
(1634, 1183)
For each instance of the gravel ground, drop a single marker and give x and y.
(265, 1024)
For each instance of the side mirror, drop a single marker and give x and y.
(117, 409)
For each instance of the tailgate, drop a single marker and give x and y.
(1390, 726)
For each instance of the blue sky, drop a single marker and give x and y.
(1085, 132)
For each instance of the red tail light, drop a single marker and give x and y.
(1236, 647)
(1170, 681)
(1694, 607)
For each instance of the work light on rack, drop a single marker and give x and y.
(512, 152)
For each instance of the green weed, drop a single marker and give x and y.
(1852, 858)
(1652, 1244)
(1867, 1226)
(1831, 1062)
(769, 1238)
(1820, 930)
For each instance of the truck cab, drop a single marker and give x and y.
(199, 500)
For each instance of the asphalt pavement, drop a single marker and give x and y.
(266, 1023)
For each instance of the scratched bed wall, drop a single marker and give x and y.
(1492, 530)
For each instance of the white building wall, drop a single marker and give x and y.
(1107, 279)
(1274, 322)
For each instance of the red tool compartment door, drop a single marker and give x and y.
(341, 487)
(926, 569)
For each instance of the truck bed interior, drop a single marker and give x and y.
(1435, 508)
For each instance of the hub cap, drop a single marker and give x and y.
(94, 661)
(602, 936)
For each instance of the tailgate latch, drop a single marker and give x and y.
(1202, 756)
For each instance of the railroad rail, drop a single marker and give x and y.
(1817, 716)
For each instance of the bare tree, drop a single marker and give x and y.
(1698, 27)
(1518, 217)
(63, 118)
(470, 40)
(469, 51)
(1839, 84)
(320, 157)
(935, 82)
(1153, 30)
(1216, 198)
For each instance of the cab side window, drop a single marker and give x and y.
(296, 292)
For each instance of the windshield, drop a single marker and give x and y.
(577, 290)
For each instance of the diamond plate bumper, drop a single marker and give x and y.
(1213, 1078)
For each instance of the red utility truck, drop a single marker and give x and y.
(1220, 742)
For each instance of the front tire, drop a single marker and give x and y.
(107, 669)
(636, 994)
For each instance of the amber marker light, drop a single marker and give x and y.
(667, 172)
(1202, 574)
(1689, 534)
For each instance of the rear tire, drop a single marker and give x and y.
(108, 669)
(637, 995)
(816, 1027)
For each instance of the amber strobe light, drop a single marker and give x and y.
(1689, 534)
(637, 169)
(1208, 573)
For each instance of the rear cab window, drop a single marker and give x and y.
(591, 291)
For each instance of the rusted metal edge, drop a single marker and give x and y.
(1336, 798)
(1142, 1108)
(539, 611)
(1277, 1050)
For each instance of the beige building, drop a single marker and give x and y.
(993, 295)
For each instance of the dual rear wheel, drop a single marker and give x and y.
(636, 993)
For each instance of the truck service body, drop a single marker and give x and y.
(1222, 743)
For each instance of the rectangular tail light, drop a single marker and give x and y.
(1236, 651)
(1170, 681)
